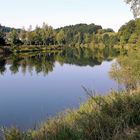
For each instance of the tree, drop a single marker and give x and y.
(29, 35)
(13, 38)
(47, 34)
(126, 31)
(44, 34)
(38, 36)
(113, 40)
(78, 39)
(106, 39)
(22, 35)
(50, 36)
(135, 6)
(133, 39)
(86, 38)
(130, 32)
(60, 37)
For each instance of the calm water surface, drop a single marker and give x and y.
(33, 88)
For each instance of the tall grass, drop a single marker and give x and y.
(112, 117)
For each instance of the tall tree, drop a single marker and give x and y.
(22, 35)
(29, 35)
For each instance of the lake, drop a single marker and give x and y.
(35, 86)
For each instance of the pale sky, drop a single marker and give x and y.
(57, 13)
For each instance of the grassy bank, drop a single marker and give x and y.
(112, 117)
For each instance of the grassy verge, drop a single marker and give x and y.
(112, 117)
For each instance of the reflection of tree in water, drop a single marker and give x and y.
(2, 65)
(86, 56)
(39, 62)
(15, 65)
(44, 62)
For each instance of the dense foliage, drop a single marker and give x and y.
(3, 33)
(130, 33)
(80, 35)
(75, 35)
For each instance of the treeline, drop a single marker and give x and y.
(79, 34)
(82, 35)
(4, 31)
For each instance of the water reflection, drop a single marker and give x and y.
(44, 62)
(34, 86)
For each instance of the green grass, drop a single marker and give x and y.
(112, 117)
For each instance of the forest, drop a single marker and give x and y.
(80, 35)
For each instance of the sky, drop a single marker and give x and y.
(58, 13)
